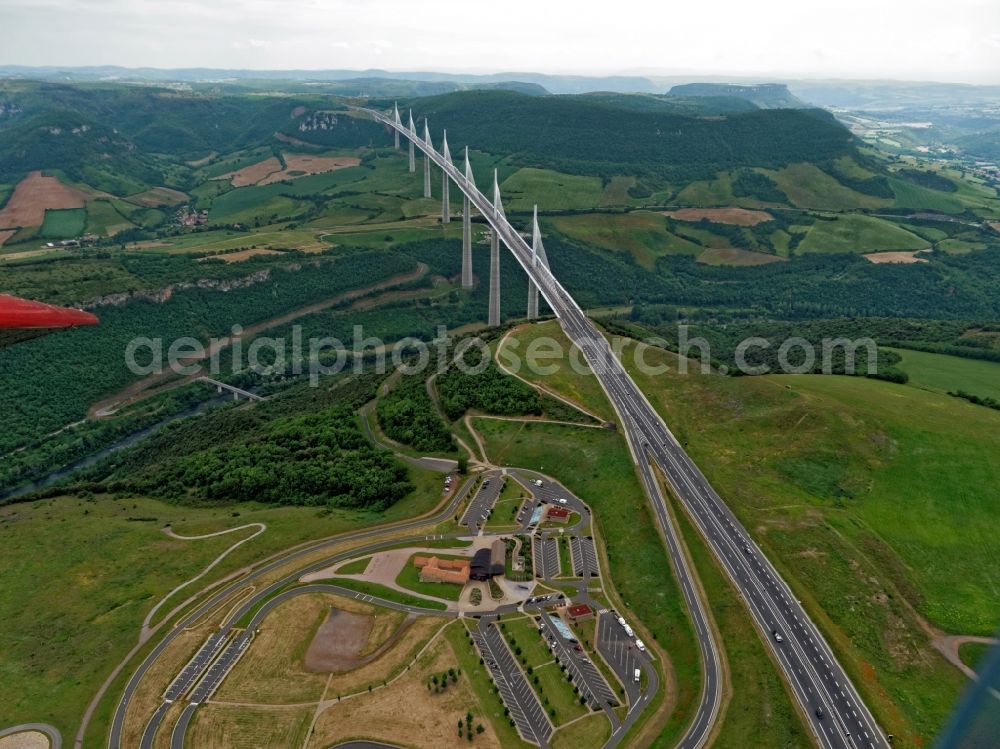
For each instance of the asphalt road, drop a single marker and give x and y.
(118, 720)
(807, 662)
(209, 666)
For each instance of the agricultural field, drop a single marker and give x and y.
(735, 256)
(63, 223)
(860, 234)
(735, 216)
(33, 196)
(808, 186)
(943, 373)
(641, 234)
(103, 219)
(551, 190)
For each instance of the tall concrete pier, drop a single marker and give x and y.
(467, 227)
(445, 185)
(494, 318)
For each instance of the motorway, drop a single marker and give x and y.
(832, 707)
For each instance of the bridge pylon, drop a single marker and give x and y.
(538, 258)
(413, 131)
(494, 317)
(467, 227)
(395, 117)
(427, 160)
(445, 184)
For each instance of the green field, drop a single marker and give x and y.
(943, 373)
(103, 219)
(357, 567)
(522, 632)
(63, 638)
(808, 186)
(388, 594)
(709, 193)
(973, 654)
(856, 233)
(864, 494)
(65, 223)
(552, 191)
(642, 234)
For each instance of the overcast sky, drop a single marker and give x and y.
(958, 40)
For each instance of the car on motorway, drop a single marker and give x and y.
(561, 500)
(641, 645)
(637, 676)
(777, 636)
(819, 712)
(537, 482)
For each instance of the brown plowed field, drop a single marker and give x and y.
(902, 258)
(738, 216)
(296, 165)
(32, 196)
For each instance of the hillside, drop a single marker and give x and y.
(763, 95)
(581, 135)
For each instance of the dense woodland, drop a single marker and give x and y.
(407, 414)
(488, 391)
(304, 447)
(581, 135)
(40, 396)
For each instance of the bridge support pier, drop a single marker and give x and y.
(413, 162)
(445, 199)
(494, 319)
(467, 228)
(427, 176)
(395, 116)
(538, 257)
(466, 244)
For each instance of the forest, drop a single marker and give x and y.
(301, 447)
(52, 381)
(581, 135)
(489, 391)
(407, 414)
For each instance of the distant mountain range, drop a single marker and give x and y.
(762, 95)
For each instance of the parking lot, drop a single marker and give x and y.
(584, 674)
(584, 556)
(195, 667)
(515, 691)
(233, 652)
(545, 552)
(619, 651)
(482, 503)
